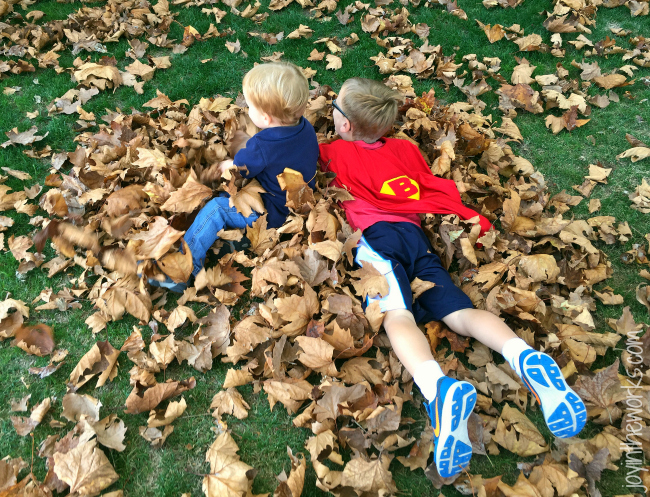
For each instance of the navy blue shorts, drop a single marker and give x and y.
(402, 252)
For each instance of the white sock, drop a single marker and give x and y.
(511, 351)
(426, 376)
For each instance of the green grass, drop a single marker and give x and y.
(264, 436)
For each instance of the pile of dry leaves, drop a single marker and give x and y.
(132, 189)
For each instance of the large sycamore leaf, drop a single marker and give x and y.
(75, 406)
(369, 476)
(143, 399)
(230, 402)
(229, 476)
(124, 297)
(518, 434)
(298, 311)
(36, 340)
(601, 393)
(370, 282)
(100, 360)
(188, 197)
(178, 265)
(248, 199)
(292, 485)
(164, 417)
(85, 468)
(156, 241)
(25, 425)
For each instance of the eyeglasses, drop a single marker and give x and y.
(336, 106)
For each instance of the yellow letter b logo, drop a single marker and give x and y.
(402, 186)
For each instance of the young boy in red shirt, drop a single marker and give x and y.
(391, 183)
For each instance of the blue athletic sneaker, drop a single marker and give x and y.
(449, 412)
(564, 412)
(169, 284)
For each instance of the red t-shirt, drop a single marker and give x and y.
(361, 214)
(390, 181)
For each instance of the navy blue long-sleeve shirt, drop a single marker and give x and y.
(269, 152)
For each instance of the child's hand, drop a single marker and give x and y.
(238, 141)
(225, 167)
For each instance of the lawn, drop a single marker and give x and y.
(208, 69)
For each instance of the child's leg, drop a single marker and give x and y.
(564, 411)
(215, 216)
(212, 218)
(450, 402)
(393, 248)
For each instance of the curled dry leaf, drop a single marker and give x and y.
(37, 340)
(518, 434)
(229, 402)
(85, 468)
(228, 474)
(165, 417)
(155, 436)
(294, 483)
(142, 398)
(75, 406)
(100, 360)
(25, 425)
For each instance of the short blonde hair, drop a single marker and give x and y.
(370, 106)
(279, 89)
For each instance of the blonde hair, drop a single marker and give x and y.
(279, 89)
(370, 106)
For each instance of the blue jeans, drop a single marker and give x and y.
(215, 216)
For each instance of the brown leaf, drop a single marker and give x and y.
(125, 200)
(333, 62)
(370, 283)
(230, 402)
(142, 399)
(291, 394)
(297, 311)
(164, 351)
(228, 475)
(85, 468)
(610, 81)
(601, 393)
(24, 138)
(247, 199)
(188, 198)
(315, 353)
(25, 425)
(37, 340)
(154, 436)
(156, 241)
(369, 476)
(75, 406)
(298, 192)
(100, 360)
(292, 485)
(493, 33)
(123, 298)
(20, 405)
(513, 422)
(237, 378)
(522, 96)
(164, 417)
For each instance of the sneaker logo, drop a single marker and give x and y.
(531, 389)
(436, 428)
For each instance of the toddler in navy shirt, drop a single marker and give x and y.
(277, 95)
